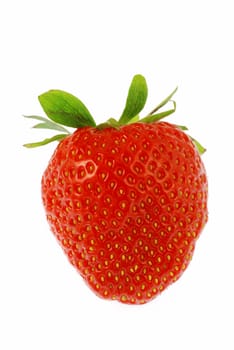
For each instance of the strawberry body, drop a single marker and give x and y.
(127, 205)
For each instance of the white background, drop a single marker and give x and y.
(92, 49)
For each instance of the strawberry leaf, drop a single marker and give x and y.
(137, 96)
(181, 127)
(158, 116)
(164, 102)
(66, 109)
(47, 124)
(199, 147)
(58, 137)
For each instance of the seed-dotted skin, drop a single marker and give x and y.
(127, 206)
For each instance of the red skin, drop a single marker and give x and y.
(127, 206)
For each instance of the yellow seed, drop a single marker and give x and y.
(155, 224)
(121, 231)
(150, 277)
(105, 212)
(138, 221)
(123, 298)
(123, 205)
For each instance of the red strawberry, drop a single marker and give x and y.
(127, 199)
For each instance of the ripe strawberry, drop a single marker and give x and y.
(127, 199)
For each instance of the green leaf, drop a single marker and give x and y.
(110, 123)
(181, 127)
(199, 147)
(158, 116)
(58, 137)
(134, 119)
(66, 109)
(137, 96)
(164, 102)
(47, 124)
(36, 117)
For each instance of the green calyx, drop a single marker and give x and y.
(65, 110)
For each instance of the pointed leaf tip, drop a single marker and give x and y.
(164, 102)
(58, 137)
(200, 148)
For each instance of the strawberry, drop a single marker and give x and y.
(127, 199)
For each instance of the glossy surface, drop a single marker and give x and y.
(127, 206)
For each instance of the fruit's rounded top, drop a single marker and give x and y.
(64, 111)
